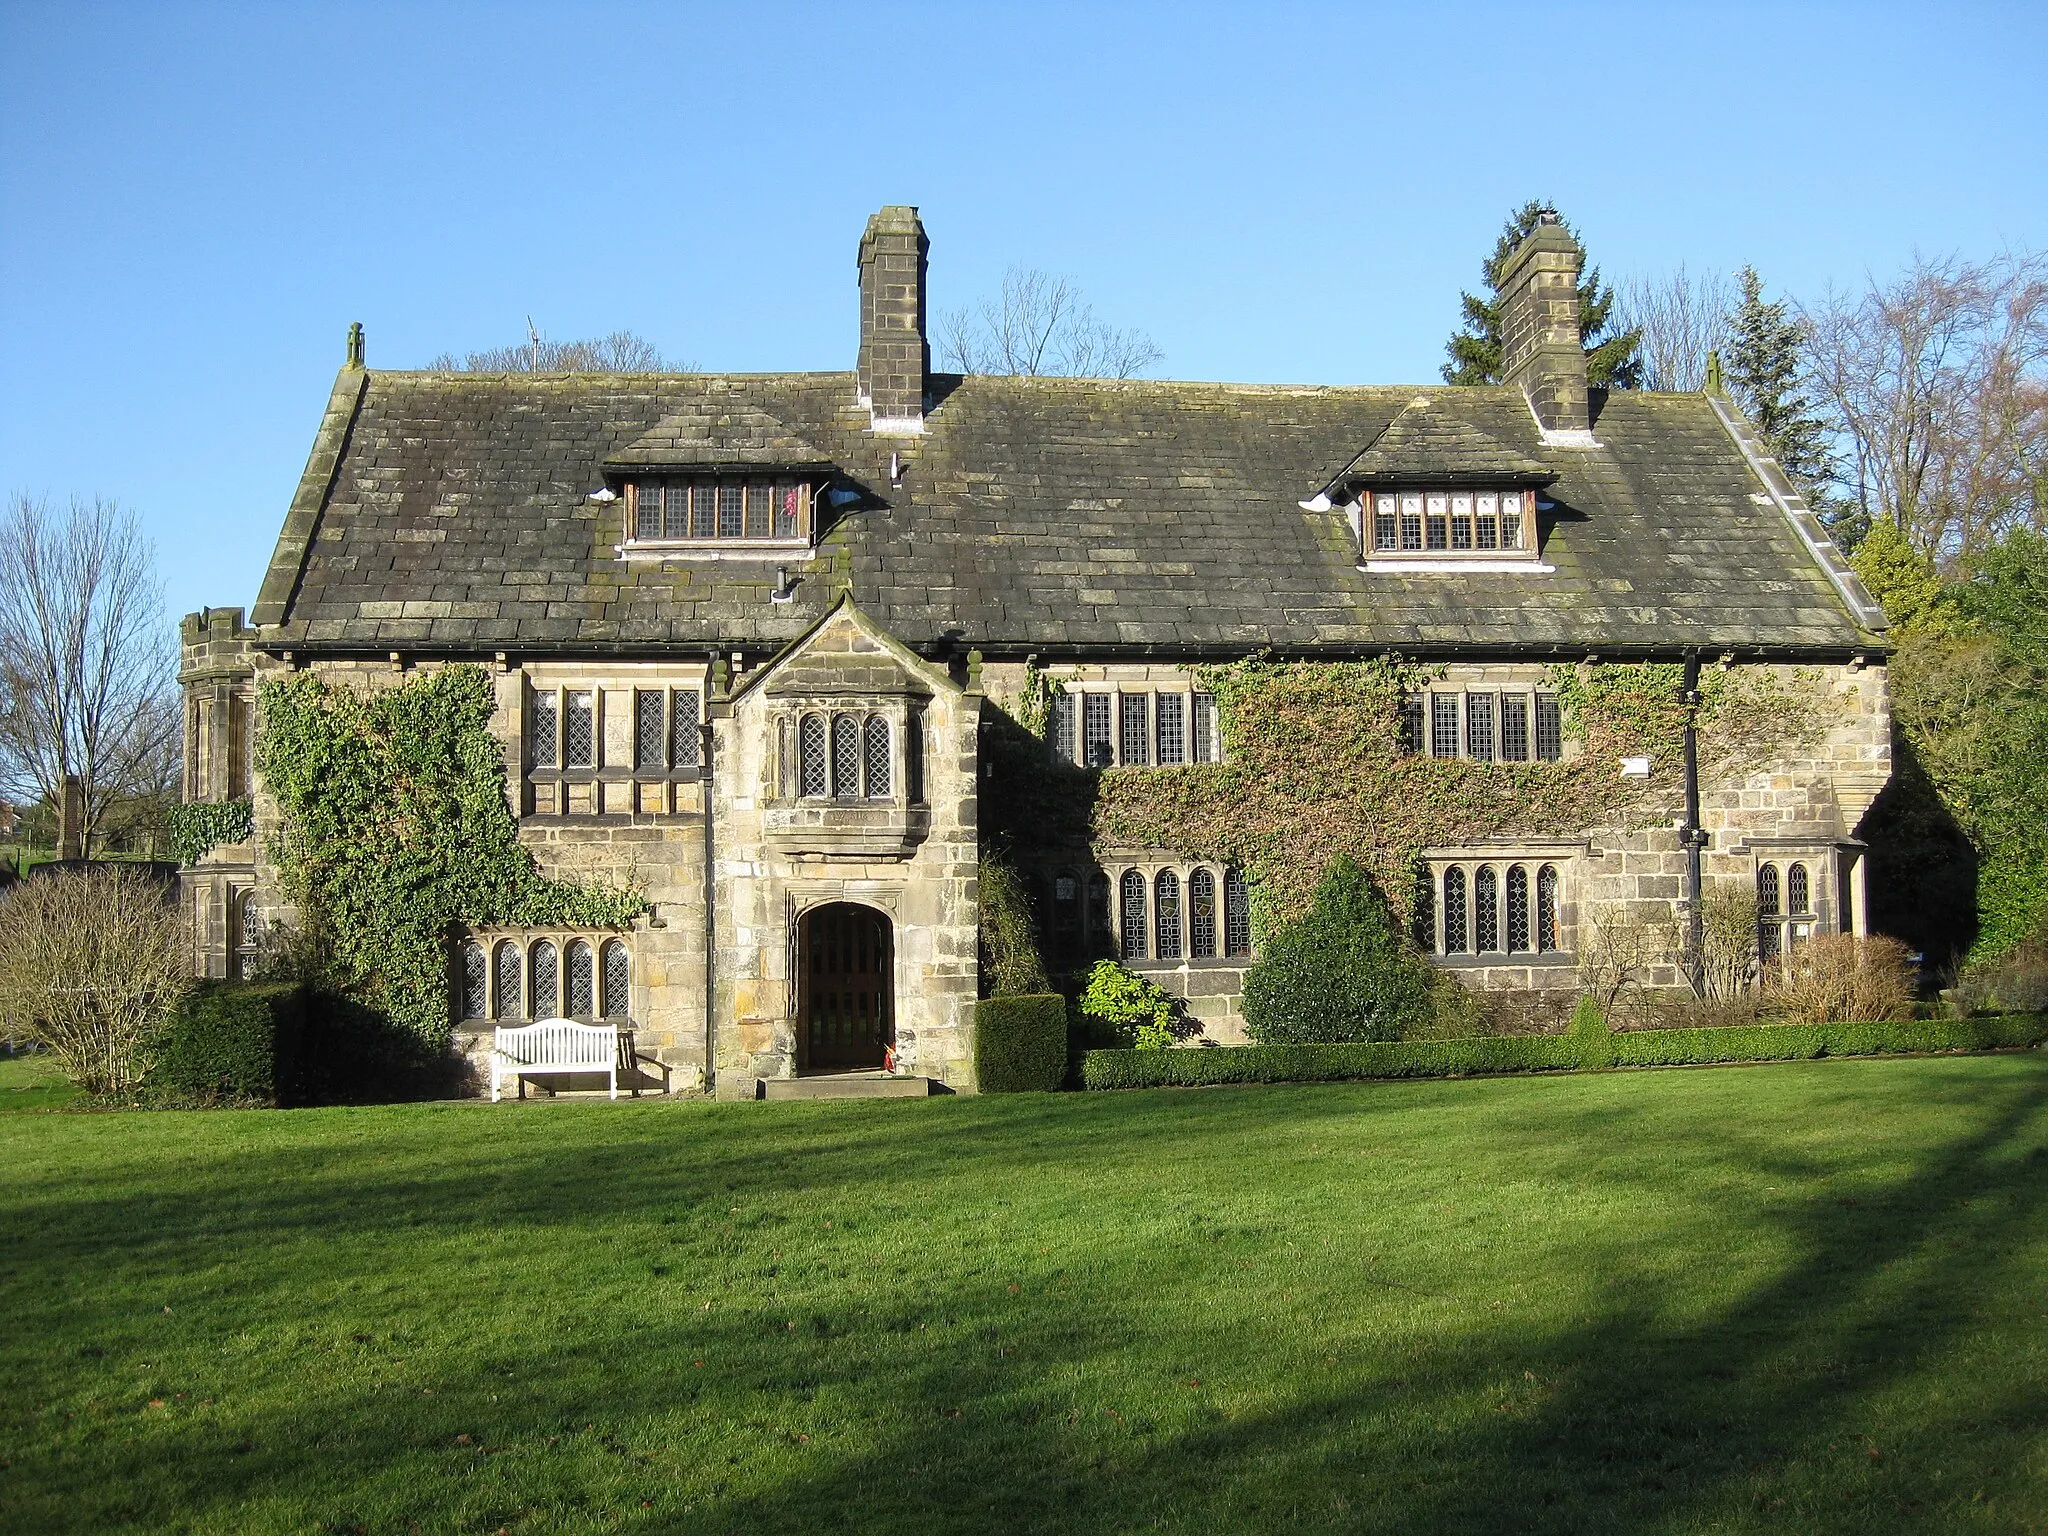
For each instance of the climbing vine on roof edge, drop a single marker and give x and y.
(396, 830)
(1313, 768)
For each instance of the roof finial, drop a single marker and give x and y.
(355, 345)
(1715, 385)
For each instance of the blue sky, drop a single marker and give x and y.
(195, 201)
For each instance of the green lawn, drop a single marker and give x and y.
(34, 1082)
(1806, 1298)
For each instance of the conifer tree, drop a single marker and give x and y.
(1765, 377)
(1611, 361)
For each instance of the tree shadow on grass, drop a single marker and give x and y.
(941, 1401)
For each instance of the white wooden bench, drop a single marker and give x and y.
(556, 1046)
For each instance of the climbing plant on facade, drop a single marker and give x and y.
(199, 828)
(1314, 769)
(396, 830)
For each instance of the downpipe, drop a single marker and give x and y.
(1692, 836)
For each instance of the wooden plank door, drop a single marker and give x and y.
(847, 971)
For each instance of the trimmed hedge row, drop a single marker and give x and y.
(1020, 1043)
(1202, 1067)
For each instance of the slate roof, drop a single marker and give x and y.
(1430, 440)
(450, 512)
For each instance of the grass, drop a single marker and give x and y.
(1810, 1297)
(35, 1082)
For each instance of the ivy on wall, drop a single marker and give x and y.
(396, 831)
(1314, 769)
(196, 830)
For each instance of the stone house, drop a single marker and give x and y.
(750, 631)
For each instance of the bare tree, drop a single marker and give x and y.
(1681, 318)
(620, 352)
(1938, 383)
(88, 665)
(1040, 325)
(1620, 951)
(91, 964)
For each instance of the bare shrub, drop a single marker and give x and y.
(2017, 982)
(1838, 977)
(1681, 1010)
(92, 962)
(1728, 957)
(1527, 1012)
(1618, 953)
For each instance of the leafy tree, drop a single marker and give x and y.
(1340, 973)
(1903, 580)
(1476, 354)
(1766, 376)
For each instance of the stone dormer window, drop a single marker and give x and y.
(1450, 523)
(698, 511)
(844, 756)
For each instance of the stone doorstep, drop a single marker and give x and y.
(847, 1085)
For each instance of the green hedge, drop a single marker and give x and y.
(229, 1043)
(1020, 1044)
(1534, 1053)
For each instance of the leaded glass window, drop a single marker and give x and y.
(647, 511)
(760, 510)
(1485, 910)
(1438, 508)
(1201, 915)
(579, 732)
(703, 511)
(685, 745)
(1095, 723)
(1546, 910)
(1479, 727)
(582, 988)
(1549, 729)
(1172, 725)
(1166, 914)
(1237, 915)
(1411, 520)
(1796, 893)
(1461, 520)
(1514, 727)
(1422, 919)
(1136, 738)
(1454, 911)
(876, 749)
(1411, 724)
(1488, 507)
(1769, 926)
(731, 524)
(1385, 523)
(1511, 521)
(543, 731)
(650, 731)
(547, 981)
(475, 998)
(1063, 727)
(1205, 729)
(1134, 915)
(1443, 725)
(511, 967)
(1518, 910)
(618, 980)
(845, 757)
(1099, 925)
(814, 773)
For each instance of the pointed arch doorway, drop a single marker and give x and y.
(846, 1017)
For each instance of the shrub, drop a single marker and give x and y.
(2016, 982)
(1838, 976)
(1020, 1044)
(1530, 1053)
(1340, 973)
(1589, 1038)
(225, 1044)
(1010, 962)
(1134, 1010)
(92, 962)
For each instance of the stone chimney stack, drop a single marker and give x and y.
(1541, 349)
(894, 354)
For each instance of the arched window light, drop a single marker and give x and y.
(547, 981)
(1454, 911)
(1166, 914)
(618, 980)
(845, 757)
(475, 981)
(814, 777)
(1485, 910)
(876, 732)
(1134, 915)
(582, 988)
(1201, 915)
(1546, 910)
(1518, 909)
(511, 966)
